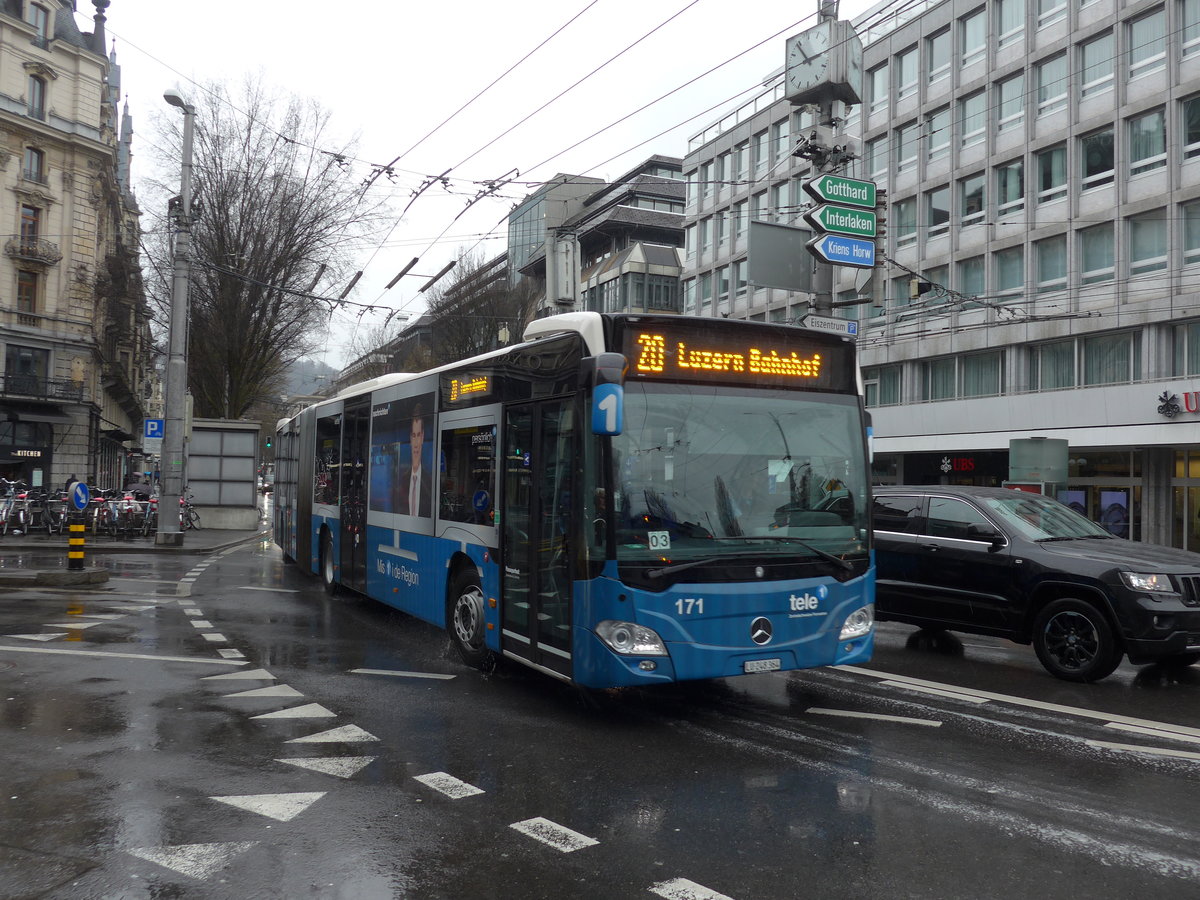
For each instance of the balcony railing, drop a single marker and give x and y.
(34, 176)
(35, 386)
(33, 249)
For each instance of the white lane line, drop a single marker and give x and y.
(136, 608)
(1138, 748)
(197, 861)
(347, 734)
(851, 714)
(932, 690)
(216, 637)
(401, 674)
(143, 656)
(58, 635)
(269, 589)
(1031, 704)
(1155, 732)
(551, 833)
(201, 623)
(230, 653)
(448, 785)
(341, 766)
(307, 711)
(682, 889)
(247, 675)
(281, 807)
(275, 690)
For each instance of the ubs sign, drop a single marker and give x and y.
(1169, 404)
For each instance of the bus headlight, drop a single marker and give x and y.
(630, 639)
(858, 623)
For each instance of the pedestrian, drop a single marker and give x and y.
(70, 481)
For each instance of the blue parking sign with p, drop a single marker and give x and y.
(154, 428)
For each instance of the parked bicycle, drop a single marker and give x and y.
(55, 515)
(9, 491)
(189, 517)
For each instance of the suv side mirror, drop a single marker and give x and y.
(978, 532)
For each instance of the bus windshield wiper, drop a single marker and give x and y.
(702, 561)
(825, 555)
(845, 565)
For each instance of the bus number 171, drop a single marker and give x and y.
(685, 606)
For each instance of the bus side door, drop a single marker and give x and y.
(536, 523)
(356, 424)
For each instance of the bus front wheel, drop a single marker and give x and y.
(465, 620)
(327, 578)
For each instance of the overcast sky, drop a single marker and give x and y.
(391, 73)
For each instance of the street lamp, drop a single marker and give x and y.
(172, 463)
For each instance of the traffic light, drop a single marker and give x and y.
(268, 443)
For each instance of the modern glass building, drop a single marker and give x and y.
(1040, 272)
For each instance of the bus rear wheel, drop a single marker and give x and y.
(327, 575)
(465, 621)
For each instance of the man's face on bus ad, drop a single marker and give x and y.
(417, 440)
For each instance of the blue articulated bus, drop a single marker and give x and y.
(618, 500)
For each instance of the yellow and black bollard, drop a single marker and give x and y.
(75, 545)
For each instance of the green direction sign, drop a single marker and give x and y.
(847, 191)
(842, 220)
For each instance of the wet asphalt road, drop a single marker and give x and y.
(198, 729)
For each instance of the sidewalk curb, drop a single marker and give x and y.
(111, 546)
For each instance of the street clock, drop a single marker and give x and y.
(824, 63)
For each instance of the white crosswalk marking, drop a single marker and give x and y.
(281, 807)
(197, 861)
(551, 833)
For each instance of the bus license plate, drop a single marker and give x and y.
(761, 665)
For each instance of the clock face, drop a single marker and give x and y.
(808, 58)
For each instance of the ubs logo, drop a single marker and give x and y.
(760, 630)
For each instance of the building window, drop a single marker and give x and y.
(758, 207)
(703, 232)
(904, 215)
(721, 171)
(39, 18)
(693, 193)
(906, 140)
(1052, 174)
(1147, 142)
(1111, 358)
(983, 374)
(780, 205)
(1051, 11)
(971, 199)
(1010, 21)
(1096, 65)
(722, 231)
(761, 159)
(741, 162)
(1010, 269)
(939, 379)
(1010, 188)
(689, 242)
(740, 218)
(1096, 153)
(875, 154)
(781, 143)
(1052, 263)
(1012, 102)
(937, 130)
(27, 290)
(37, 97)
(739, 277)
(877, 88)
(906, 73)
(706, 180)
(1187, 349)
(972, 117)
(25, 370)
(900, 292)
(882, 386)
(1147, 43)
(937, 52)
(34, 167)
(1096, 251)
(689, 296)
(1052, 366)
(31, 225)
(706, 288)
(971, 280)
(973, 32)
(1191, 126)
(1147, 242)
(1052, 84)
(1189, 11)
(1191, 231)
(722, 279)
(937, 210)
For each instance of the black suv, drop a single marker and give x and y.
(1025, 567)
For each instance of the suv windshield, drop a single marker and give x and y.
(715, 474)
(1039, 518)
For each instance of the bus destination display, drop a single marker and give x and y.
(733, 358)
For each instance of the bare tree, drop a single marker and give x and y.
(476, 310)
(277, 210)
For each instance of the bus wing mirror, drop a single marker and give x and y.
(604, 373)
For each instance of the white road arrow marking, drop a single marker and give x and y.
(341, 766)
(194, 860)
(281, 807)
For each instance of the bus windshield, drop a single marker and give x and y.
(714, 474)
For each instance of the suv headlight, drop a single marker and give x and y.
(1142, 582)
(631, 639)
(858, 623)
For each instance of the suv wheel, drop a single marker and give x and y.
(1074, 641)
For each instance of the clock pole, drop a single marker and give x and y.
(822, 302)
